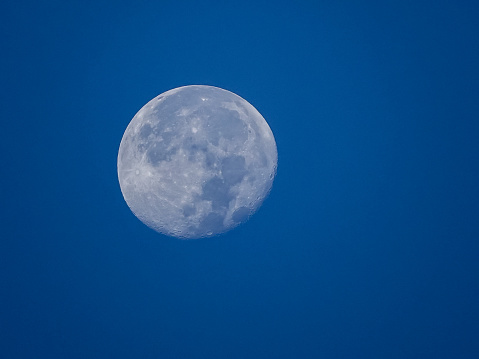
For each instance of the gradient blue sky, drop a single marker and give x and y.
(367, 247)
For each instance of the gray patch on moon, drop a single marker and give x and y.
(241, 214)
(160, 152)
(212, 220)
(233, 169)
(218, 192)
(145, 131)
(189, 210)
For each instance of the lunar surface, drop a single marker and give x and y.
(196, 161)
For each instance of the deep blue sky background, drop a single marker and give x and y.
(367, 247)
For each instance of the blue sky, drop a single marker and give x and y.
(368, 244)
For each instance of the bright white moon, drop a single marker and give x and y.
(196, 161)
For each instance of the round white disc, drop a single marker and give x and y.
(196, 161)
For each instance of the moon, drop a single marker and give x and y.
(196, 161)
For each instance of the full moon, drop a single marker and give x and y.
(196, 161)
